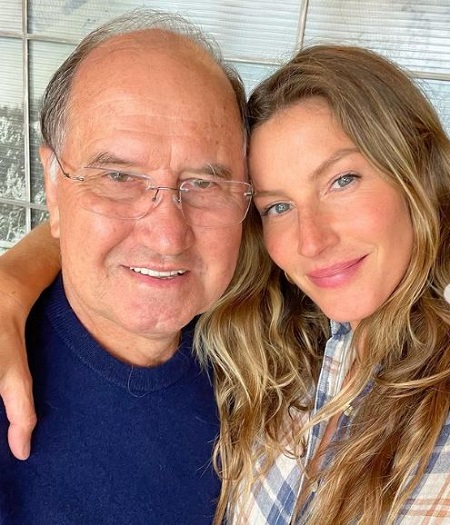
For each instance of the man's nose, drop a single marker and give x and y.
(164, 227)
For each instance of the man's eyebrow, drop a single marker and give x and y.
(106, 159)
(216, 170)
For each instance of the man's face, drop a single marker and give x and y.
(154, 107)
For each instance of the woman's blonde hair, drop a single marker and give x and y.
(266, 337)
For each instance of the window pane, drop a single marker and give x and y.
(72, 19)
(44, 59)
(414, 34)
(12, 224)
(11, 15)
(12, 170)
(252, 74)
(38, 216)
(438, 92)
(245, 29)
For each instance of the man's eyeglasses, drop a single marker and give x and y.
(204, 201)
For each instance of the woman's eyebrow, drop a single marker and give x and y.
(315, 174)
(335, 157)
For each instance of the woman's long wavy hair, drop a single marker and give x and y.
(266, 337)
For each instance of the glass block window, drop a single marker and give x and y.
(255, 35)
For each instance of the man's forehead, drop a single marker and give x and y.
(145, 90)
(153, 108)
(153, 63)
(151, 47)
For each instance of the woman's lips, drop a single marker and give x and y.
(337, 274)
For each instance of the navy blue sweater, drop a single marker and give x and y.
(114, 444)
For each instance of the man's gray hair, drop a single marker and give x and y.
(55, 101)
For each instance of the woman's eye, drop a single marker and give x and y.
(276, 209)
(344, 180)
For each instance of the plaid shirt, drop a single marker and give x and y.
(272, 500)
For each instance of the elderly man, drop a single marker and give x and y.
(143, 155)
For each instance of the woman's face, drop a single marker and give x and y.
(331, 221)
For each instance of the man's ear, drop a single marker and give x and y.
(51, 168)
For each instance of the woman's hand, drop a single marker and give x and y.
(15, 378)
(25, 271)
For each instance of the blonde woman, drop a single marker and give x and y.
(351, 171)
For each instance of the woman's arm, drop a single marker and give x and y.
(25, 271)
